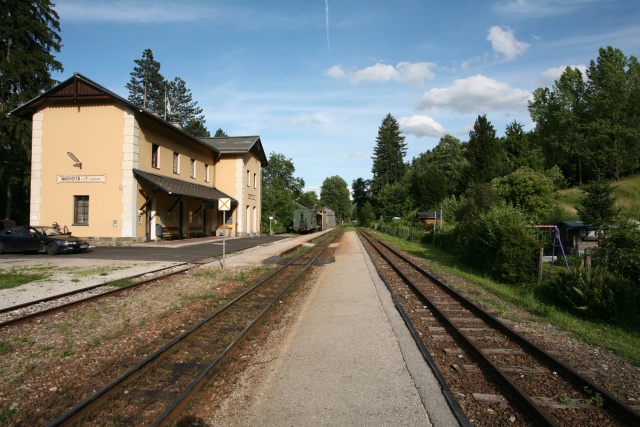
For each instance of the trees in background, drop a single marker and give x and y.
(171, 100)
(598, 204)
(147, 86)
(388, 155)
(279, 189)
(360, 194)
(529, 191)
(181, 108)
(334, 194)
(586, 125)
(484, 152)
(590, 124)
(29, 39)
(309, 199)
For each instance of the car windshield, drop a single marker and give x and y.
(49, 231)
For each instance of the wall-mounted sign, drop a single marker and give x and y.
(81, 178)
(252, 196)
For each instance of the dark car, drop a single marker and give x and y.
(26, 238)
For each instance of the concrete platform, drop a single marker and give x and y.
(349, 360)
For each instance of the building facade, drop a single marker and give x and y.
(117, 174)
(240, 169)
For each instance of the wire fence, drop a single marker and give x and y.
(408, 233)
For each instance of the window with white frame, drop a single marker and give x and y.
(255, 180)
(192, 168)
(206, 173)
(248, 179)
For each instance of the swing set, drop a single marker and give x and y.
(556, 241)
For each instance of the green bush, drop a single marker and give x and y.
(619, 251)
(499, 243)
(596, 293)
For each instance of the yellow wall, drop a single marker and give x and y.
(231, 178)
(94, 135)
(112, 140)
(152, 132)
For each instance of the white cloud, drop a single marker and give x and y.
(336, 71)
(553, 74)
(407, 72)
(376, 73)
(355, 155)
(479, 94)
(504, 42)
(416, 73)
(421, 126)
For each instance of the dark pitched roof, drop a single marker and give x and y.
(238, 145)
(79, 88)
(576, 224)
(426, 215)
(181, 188)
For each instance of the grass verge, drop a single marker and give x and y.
(17, 277)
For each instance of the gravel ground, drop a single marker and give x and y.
(68, 274)
(43, 359)
(65, 273)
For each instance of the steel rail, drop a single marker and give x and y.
(449, 396)
(74, 414)
(621, 409)
(71, 304)
(538, 415)
(172, 411)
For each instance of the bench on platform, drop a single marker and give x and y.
(196, 231)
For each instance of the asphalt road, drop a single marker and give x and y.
(178, 251)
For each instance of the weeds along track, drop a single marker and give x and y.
(496, 375)
(158, 389)
(65, 301)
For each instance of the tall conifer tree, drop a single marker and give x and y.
(183, 109)
(28, 41)
(388, 155)
(484, 152)
(147, 87)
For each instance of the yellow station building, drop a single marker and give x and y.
(117, 174)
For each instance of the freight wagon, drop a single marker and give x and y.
(306, 221)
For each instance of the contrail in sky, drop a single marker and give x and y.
(326, 4)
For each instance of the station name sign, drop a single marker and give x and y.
(81, 178)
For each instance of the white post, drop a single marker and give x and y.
(435, 221)
(224, 235)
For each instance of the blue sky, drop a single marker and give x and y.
(315, 78)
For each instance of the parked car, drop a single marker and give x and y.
(26, 238)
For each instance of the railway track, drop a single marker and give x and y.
(46, 306)
(157, 389)
(494, 372)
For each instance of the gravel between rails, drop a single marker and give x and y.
(51, 372)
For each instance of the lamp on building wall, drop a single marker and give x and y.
(75, 159)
